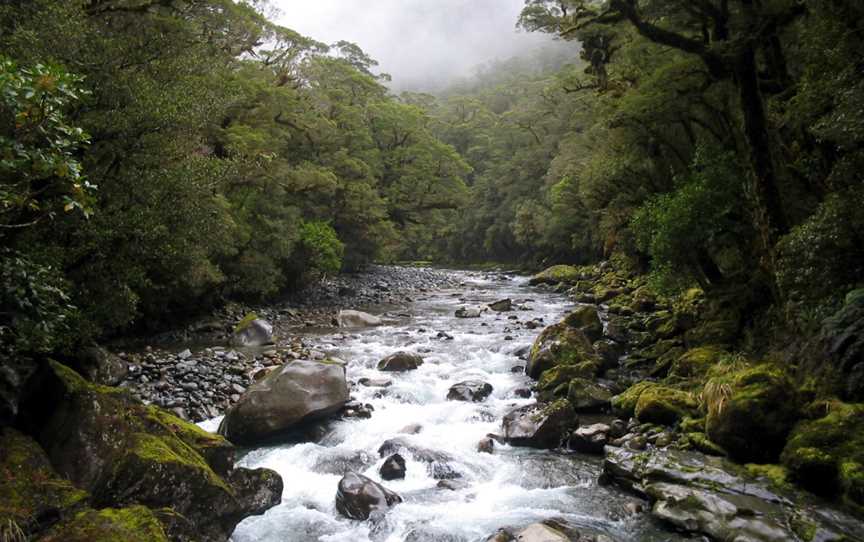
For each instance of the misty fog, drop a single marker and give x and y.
(423, 44)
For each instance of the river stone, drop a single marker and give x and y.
(587, 320)
(538, 425)
(400, 361)
(503, 305)
(437, 462)
(258, 332)
(294, 395)
(470, 390)
(538, 532)
(590, 439)
(393, 468)
(359, 497)
(486, 445)
(714, 497)
(466, 312)
(352, 318)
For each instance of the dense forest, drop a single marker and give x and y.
(161, 158)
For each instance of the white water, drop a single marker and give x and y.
(511, 488)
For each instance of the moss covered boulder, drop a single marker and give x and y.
(32, 495)
(663, 405)
(826, 456)
(127, 454)
(556, 274)
(696, 362)
(559, 344)
(133, 524)
(587, 320)
(750, 412)
(587, 396)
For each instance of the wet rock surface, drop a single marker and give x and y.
(359, 497)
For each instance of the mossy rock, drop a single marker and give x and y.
(586, 319)
(244, 324)
(557, 274)
(559, 344)
(624, 404)
(664, 405)
(133, 524)
(696, 362)
(700, 441)
(826, 456)
(125, 454)
(560, 375)
(750, 412)
(32, 494)
(718, 332)
(586, 396)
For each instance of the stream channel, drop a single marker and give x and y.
(512, 487)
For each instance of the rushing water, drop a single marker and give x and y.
(511, 488)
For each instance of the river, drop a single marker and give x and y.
(512, 487)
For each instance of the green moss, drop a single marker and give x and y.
(245, 322)
(692, 425)
(826, 455)
(750, 411)
(776, 474)
(174, 451)
(29, 487)
(696, 362)
(664, 405)
(133, 524)
(75, 383)
(700, 441)
(556, 274)
(624, 404)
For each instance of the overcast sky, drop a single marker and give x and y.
(421, 43)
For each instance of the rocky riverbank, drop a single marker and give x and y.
(201, 381)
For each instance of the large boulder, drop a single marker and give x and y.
(826, 455)
(559, 344)
(253, 331)
(124, 454)
(400, 361)
(290, 398)
(716, 498)
(556, 274)
(842, 338)
(750, 413)
(132, 524)
(470, 390)
(359, 497)
(651, 402)
(352, 318)
(538, 425)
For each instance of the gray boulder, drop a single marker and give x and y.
(400, 361)
(257, 332)
(590, 439)
(352, 318)
(101, 366)
(359, 497)
(503, 305)
(470, 390)
(538, 425)
(288, 398)
(468, 312)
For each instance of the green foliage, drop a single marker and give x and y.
(40, 175)
(36, 314)
(679, 230)
(322, 247)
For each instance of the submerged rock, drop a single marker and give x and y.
(466, 312)
(352, 318)
(400, 361)
(503, 305)
(298, 393)
(538, 425)
(393, 468)
(359, 497)
(470, 390)
(486, 445)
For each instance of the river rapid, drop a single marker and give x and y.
(512, 487)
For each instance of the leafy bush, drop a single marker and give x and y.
(320, 247)
(686, 229)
